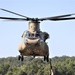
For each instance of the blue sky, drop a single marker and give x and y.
(62, 33)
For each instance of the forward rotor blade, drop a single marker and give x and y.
(14, 13)
(67, 15)
(8, 18)
(56, 17)
(59, 19)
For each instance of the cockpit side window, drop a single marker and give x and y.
(37, 35)
(27, 34)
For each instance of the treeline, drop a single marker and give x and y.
(61, 66)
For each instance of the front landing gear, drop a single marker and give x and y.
(20, 57)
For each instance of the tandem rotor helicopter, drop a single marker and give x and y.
(34, 40)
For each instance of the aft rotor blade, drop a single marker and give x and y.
(14, 13)
(8, 18)
(56, 17)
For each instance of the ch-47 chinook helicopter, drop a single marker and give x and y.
(34, 40)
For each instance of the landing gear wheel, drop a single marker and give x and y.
(46, 58)
(19, 57)
(22, 58)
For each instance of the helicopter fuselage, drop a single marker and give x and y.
(33, 42)
(33, 47)
(34, 50)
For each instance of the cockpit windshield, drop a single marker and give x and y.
(32, 35)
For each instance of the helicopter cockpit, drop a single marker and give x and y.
(32, 37)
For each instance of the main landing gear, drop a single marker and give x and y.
(20, 57)
(46, 58)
